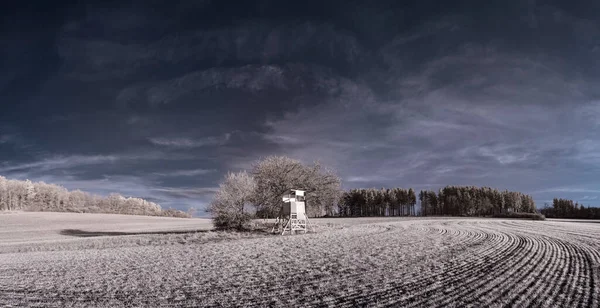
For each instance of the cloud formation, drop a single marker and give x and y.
(162, 100)
(192, 172)
(178, 142)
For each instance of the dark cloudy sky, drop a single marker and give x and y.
(159, 99)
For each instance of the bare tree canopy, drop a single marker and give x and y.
(230, 206)
(276, 175)
(264, 187)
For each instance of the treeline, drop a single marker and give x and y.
(39, 196)
(474, 201)
(377, 202)
(449, 201)
(563, 208)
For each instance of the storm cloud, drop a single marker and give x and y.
(159, 100)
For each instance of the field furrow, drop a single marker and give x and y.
(389, 263)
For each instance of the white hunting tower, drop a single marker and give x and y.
(293, 214)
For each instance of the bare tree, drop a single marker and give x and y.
(276, 175)
(229, 207)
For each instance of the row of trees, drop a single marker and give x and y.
(377, 202)
(563, 208)
(40, 196)
(450, 200)
(474, 201)
(259, 193)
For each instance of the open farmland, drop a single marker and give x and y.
(433, 262)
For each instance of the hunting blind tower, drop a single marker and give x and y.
(293, 214)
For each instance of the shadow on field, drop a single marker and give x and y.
(82, 233)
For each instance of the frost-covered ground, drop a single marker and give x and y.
(347, 263)
(36, 231)
(30, 227)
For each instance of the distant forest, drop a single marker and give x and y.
(31, 196)
(562, 208)
(449, 201)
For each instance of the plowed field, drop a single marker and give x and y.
(346, 263)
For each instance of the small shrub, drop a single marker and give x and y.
(232, 221)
